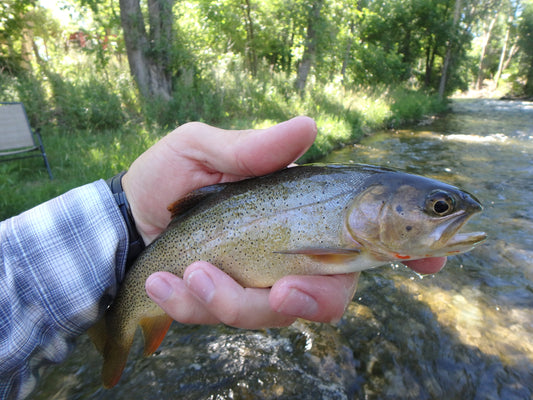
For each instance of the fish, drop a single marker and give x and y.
(309, 219)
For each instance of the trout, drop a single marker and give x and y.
(312, 219)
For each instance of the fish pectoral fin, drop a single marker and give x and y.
(326, 255)
(154, 331)
(312, 251)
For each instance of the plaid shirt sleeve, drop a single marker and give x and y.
(60, 265)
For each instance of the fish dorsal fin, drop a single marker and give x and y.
(326, 255)
(193, 199)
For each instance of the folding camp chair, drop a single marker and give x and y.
(16, 136)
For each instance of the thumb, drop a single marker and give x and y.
(247, 152)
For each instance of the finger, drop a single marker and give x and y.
(427, 265)
(247, 152)
(316, 298)
(171, 294)
(229, 302)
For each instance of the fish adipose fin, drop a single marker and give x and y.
(326, 255)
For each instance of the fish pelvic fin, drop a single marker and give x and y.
(154, 330)
(326, 255)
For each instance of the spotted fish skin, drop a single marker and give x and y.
(304, 220)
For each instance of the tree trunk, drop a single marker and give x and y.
(528, 89)
(448, 56)
(149, 57)
(250, 45)
(486, 40)
(430, 61)
(348, 50)
(502, 56)
(311, 40)
(26, 41)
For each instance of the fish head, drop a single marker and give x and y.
(406, 217)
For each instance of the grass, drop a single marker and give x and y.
(76, 159)
(93, 128)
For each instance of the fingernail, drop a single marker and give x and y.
(158, 288)
(298, 304)
(201, 284)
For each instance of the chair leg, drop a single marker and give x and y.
(46, 164)
(43, 153)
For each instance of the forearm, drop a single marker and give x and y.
(61, 263)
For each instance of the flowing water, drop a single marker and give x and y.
(465, 333)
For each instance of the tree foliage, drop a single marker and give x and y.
(526, 44)
(184, 56)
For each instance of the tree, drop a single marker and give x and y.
(15, 35)
(149, 53)
(485, 44)
(311, 42)
(526, 45)
(449, 47)
(505, 58)
(508, 43)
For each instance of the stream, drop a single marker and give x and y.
(464, 333)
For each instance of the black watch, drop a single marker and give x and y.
(136, 243)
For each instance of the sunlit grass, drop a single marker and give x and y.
(76, 159)
(94, 124)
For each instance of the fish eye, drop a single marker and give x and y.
(440, 203)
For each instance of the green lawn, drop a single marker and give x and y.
(82, 156)
(75, 158)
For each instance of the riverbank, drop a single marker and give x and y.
(84, 155)
(389, 110)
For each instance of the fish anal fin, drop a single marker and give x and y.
(326, 255)
(154, 330)
(192, 199)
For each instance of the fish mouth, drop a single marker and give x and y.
(463, 242)
(452, 241)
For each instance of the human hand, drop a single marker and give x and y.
(206, 295)
(196, 155)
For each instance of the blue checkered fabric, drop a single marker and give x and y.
(60, 266)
